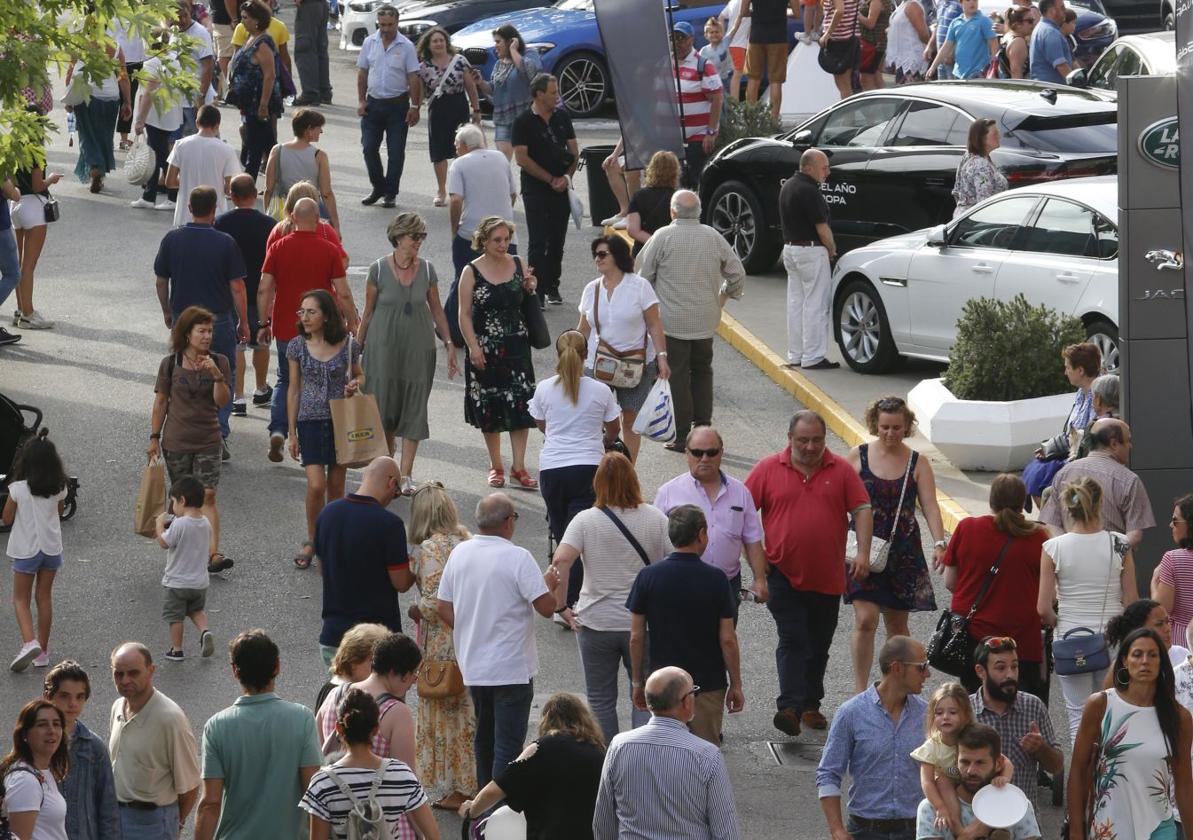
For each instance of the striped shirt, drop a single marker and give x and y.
(1125, 503)
(1176, 570)
(661, 782)
(845, 25)
(698, 81)
(398, 793)
(1011, 727)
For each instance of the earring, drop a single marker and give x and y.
(1120, 679)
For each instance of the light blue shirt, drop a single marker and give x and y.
(388, 66)
(971, 40)
(1025, 829)
(1049, 48)
(875, 751)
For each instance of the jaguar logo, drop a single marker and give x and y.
(1162, 294)
(1160, 143)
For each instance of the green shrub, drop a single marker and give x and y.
(1010, 351)
(745, 119)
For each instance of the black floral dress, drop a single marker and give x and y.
(497, 398)
(904, 584)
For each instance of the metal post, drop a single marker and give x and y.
(683, 136)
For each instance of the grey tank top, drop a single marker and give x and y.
(296, 165)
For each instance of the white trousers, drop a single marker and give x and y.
(808, 281)
(1076, 689)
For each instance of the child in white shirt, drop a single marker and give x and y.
(186, 537)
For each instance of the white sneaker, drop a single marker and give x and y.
(621, 224)
(28, 652)
(141, 204)
(164, 204)
(42, 661)
(35, 321)
(613, 220)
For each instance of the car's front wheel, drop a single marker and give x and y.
(583, 84)
(862, 329)
(1104, 335)
(1169, 18)
(736, 214)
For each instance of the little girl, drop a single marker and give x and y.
(35, 499)
(949, 711)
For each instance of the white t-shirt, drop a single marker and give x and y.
(486, 181)
(171, 118)
(623, 322)
(202, 161)
(574, 432)
(23, 792)
(611, 563)
(729, 16)
(398, 793)
(1088, 578)
(108, 90)
(189, 538)
(130, 43)
(491, 584)
(36, 527)
(201, 51)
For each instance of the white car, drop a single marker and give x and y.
(358, 20)
(1056, 243)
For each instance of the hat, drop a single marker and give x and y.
(684, 28)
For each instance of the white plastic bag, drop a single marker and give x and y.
(577, 207)
(656, 419)
(138, 166)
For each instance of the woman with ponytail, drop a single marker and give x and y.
(579, 416)
(1008, 608)
(1090, 573)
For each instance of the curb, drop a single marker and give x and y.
(840, 421)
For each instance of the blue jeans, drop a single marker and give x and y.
(385, 117)
(158, 824)
(502, 713)
(224, 341)
(601, 652)
(806, 622)
(278, 421)
(858, 833)
(567, 491)
(10, 263)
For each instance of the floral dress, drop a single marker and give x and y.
(977, 179)
(1132, 777)
(497, 399)
(446, 727)
(904, 584)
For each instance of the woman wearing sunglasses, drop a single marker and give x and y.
(401, 318)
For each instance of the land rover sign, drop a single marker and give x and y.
(1160, 143)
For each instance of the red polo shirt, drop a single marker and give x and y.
(299, 262)
(805, 519)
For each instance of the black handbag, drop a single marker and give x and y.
(839, 57)
(536, 323)
(950, 648)
(451, 311)
(52, 210)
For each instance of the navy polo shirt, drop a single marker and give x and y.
(201, 263)
(358, 542)
(684, 600)
(250, 229)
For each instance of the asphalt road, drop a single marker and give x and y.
(93, 377)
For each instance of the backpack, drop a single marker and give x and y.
(366, 820)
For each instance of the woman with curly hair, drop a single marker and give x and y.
(650, 207)
(450, 88)
(37, 763)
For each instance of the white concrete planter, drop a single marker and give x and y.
(984, 435)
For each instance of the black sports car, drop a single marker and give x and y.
(894, 155)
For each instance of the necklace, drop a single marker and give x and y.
(405, 267)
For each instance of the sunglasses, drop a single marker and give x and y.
(890, 404)
(700, 453)
(599, 255)
(428, 484)
(513, 515)
(1175, 521)
(922, 667)
(999, 644)
(695, 690)
(417, 237)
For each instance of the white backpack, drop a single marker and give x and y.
(366, 820)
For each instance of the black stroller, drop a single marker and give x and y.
(13, 435)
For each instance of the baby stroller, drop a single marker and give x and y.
(13, 435)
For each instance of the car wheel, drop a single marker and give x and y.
(736, 214)
(1169, 18)
(861, 328)
(583, 84)
(1104, 335)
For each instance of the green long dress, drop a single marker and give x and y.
(400, 353)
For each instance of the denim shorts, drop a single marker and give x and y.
(33, 565)
(503, 132)
(316, 443)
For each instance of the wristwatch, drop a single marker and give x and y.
(941, 544)
(662, 353)
(155, 435)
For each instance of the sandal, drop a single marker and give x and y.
(302, 559)
(523, 479)
(497, 477)
(439, 201)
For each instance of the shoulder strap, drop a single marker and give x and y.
(378, 778)
(625, 532)
(1109, 577)
(596, 307)
(989, 578)
(343, 786)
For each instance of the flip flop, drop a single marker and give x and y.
(302, 559)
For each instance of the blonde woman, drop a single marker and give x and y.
(301, 160)
(650, 207)
(352, 660)
(446, 727)
(301, 190)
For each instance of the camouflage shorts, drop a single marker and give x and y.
(204, 466)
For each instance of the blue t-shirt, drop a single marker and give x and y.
(720, 58)
(1049, 47)
(250, 228)
(200, 262)
(358, 542)
(684, 600)
(971, 38)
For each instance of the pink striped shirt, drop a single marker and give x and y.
(698, 80)
(1176, 570)
(845, 26)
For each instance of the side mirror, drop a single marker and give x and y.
(936, 237)
(1078, 78)
(802, 139)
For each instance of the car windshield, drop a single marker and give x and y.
(1077, 133)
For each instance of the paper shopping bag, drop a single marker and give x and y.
(358, 432)
(151, 498)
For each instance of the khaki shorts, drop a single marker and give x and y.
(221, 36)
(769, 57)
(710, 711)
(181, 603)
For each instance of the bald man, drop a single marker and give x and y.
(361, 548)
(808, 250)
(250, 228)
(295, 264)
(662, 781)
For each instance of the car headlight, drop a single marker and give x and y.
(541, 46)
(415, 27)
(364, 5)
(1106, 29)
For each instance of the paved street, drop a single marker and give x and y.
(93, 377)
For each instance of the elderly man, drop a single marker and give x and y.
(1126, 507)
(489, 593)
(480, 182)
(693, 271)
(806, 495)
(545, 147)
(154, 758)
(871, 740)
(361, 548)
(389, 94)
(808, 250)
(661, 781)
(733, 523)
(701, 92)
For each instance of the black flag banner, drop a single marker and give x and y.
(1184, 111)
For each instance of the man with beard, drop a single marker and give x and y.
(1021, 719)
(979, 751)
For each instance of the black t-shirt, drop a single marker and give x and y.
(768, 21)
(556, 788)
(250, 228)
(801, 208)
(219, 13)
(653, 206)
(684, 600)
(546, 143)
